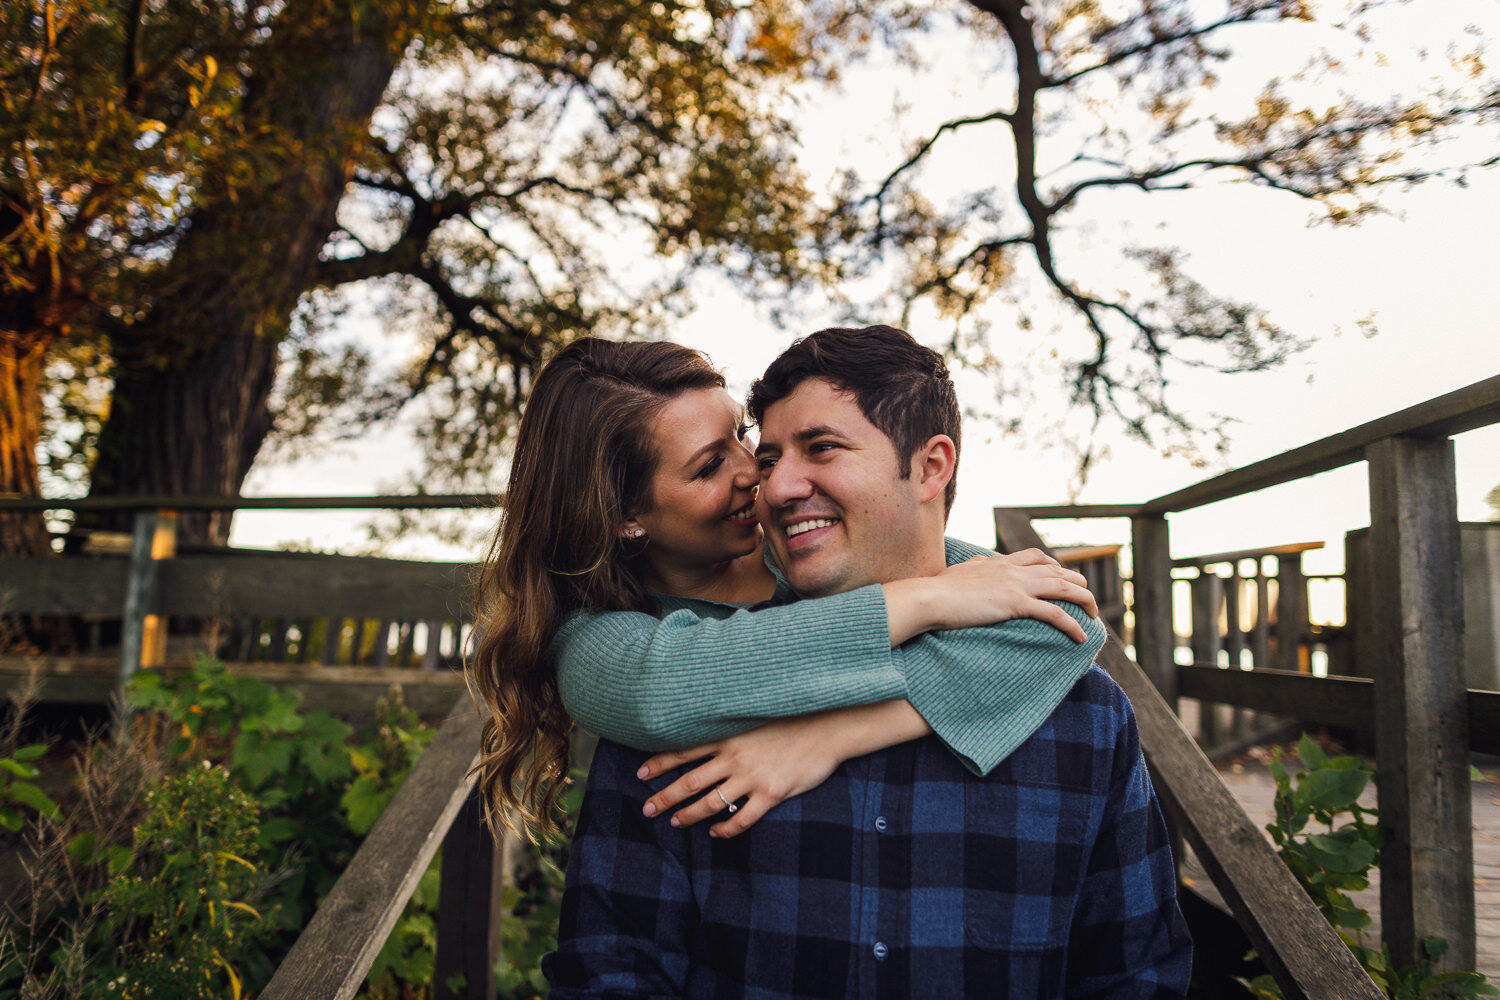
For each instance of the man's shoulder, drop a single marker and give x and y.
(1079, 743)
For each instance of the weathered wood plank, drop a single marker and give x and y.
(1207, 594)
(1151, 578)
(335, 950)
(72, 585)
(291, 587)
(1291, 548)
(1297, 943)
(143, 627)
(1291, 612)
(468, 908)
(1421, 718)
(420, 501)
(1477, 405)
(1082, 510)
(1328, 701)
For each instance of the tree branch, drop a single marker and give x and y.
(1115, 58)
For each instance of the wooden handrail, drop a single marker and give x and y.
(334, 953)
(1298, 945)
(418, 501)
(1331, 701)
(1465, 409)
(1290, 549)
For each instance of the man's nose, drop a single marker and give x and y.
(784, 483)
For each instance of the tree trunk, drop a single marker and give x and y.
(22, 361)
(190, 406)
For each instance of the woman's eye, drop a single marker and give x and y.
(711, 467)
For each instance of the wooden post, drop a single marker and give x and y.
(1291, 611)
(468, 908)
(1260, 646)
(1208, 594)
(1421, 712)
(1155, 640)
(143, 637)
(1234, 641)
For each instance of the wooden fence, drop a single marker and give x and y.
(339, 629)
(1413, 697)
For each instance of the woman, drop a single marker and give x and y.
(617, 588)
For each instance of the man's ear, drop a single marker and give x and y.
(933, 466)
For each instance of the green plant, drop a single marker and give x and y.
(182, 921)
(531, 905)
(320, 786)
(382, 757)
(17, 793)
(1336, 860)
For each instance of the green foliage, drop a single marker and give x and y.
(18, 795)
(387, 750)
(181, 920)
(261, 809)
(531, 906)
(1333, 862)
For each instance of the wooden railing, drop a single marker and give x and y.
(1418, 705)
(361, 622)
(435, 806)
(1298, 945)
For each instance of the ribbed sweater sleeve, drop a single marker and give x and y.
(985, 690)
(704, 671)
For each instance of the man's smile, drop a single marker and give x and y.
(808, 524)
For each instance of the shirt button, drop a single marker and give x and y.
(880, 823)
(881, 951)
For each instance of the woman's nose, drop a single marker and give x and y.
(746, 472)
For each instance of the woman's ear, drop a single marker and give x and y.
(933, 466)
(630, 529)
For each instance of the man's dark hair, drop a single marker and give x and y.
(901, 387)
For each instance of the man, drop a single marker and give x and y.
(904, 875)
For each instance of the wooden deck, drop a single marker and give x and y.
(1250, 781)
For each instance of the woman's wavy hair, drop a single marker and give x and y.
(583, 463)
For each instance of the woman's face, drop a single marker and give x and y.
(703, 494)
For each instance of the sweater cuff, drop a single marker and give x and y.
(984, 691)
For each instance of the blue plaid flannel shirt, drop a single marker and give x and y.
(902, 876)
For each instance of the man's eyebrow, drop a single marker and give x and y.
(805, 434)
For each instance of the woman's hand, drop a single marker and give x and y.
(759, 769)
(989, 589)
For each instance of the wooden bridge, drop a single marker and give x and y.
(1395, 675)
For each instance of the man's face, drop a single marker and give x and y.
(836, 514)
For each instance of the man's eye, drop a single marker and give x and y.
(765, 464)
(711, 467)
(819, 447)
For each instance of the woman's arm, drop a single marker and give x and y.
(707, 671)
(985, 690)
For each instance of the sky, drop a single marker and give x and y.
(1397, 311)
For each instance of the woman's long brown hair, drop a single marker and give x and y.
(583, 464)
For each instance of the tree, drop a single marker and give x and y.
(178, 172)
(1095, 100)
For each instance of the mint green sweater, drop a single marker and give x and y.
(705, 670)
